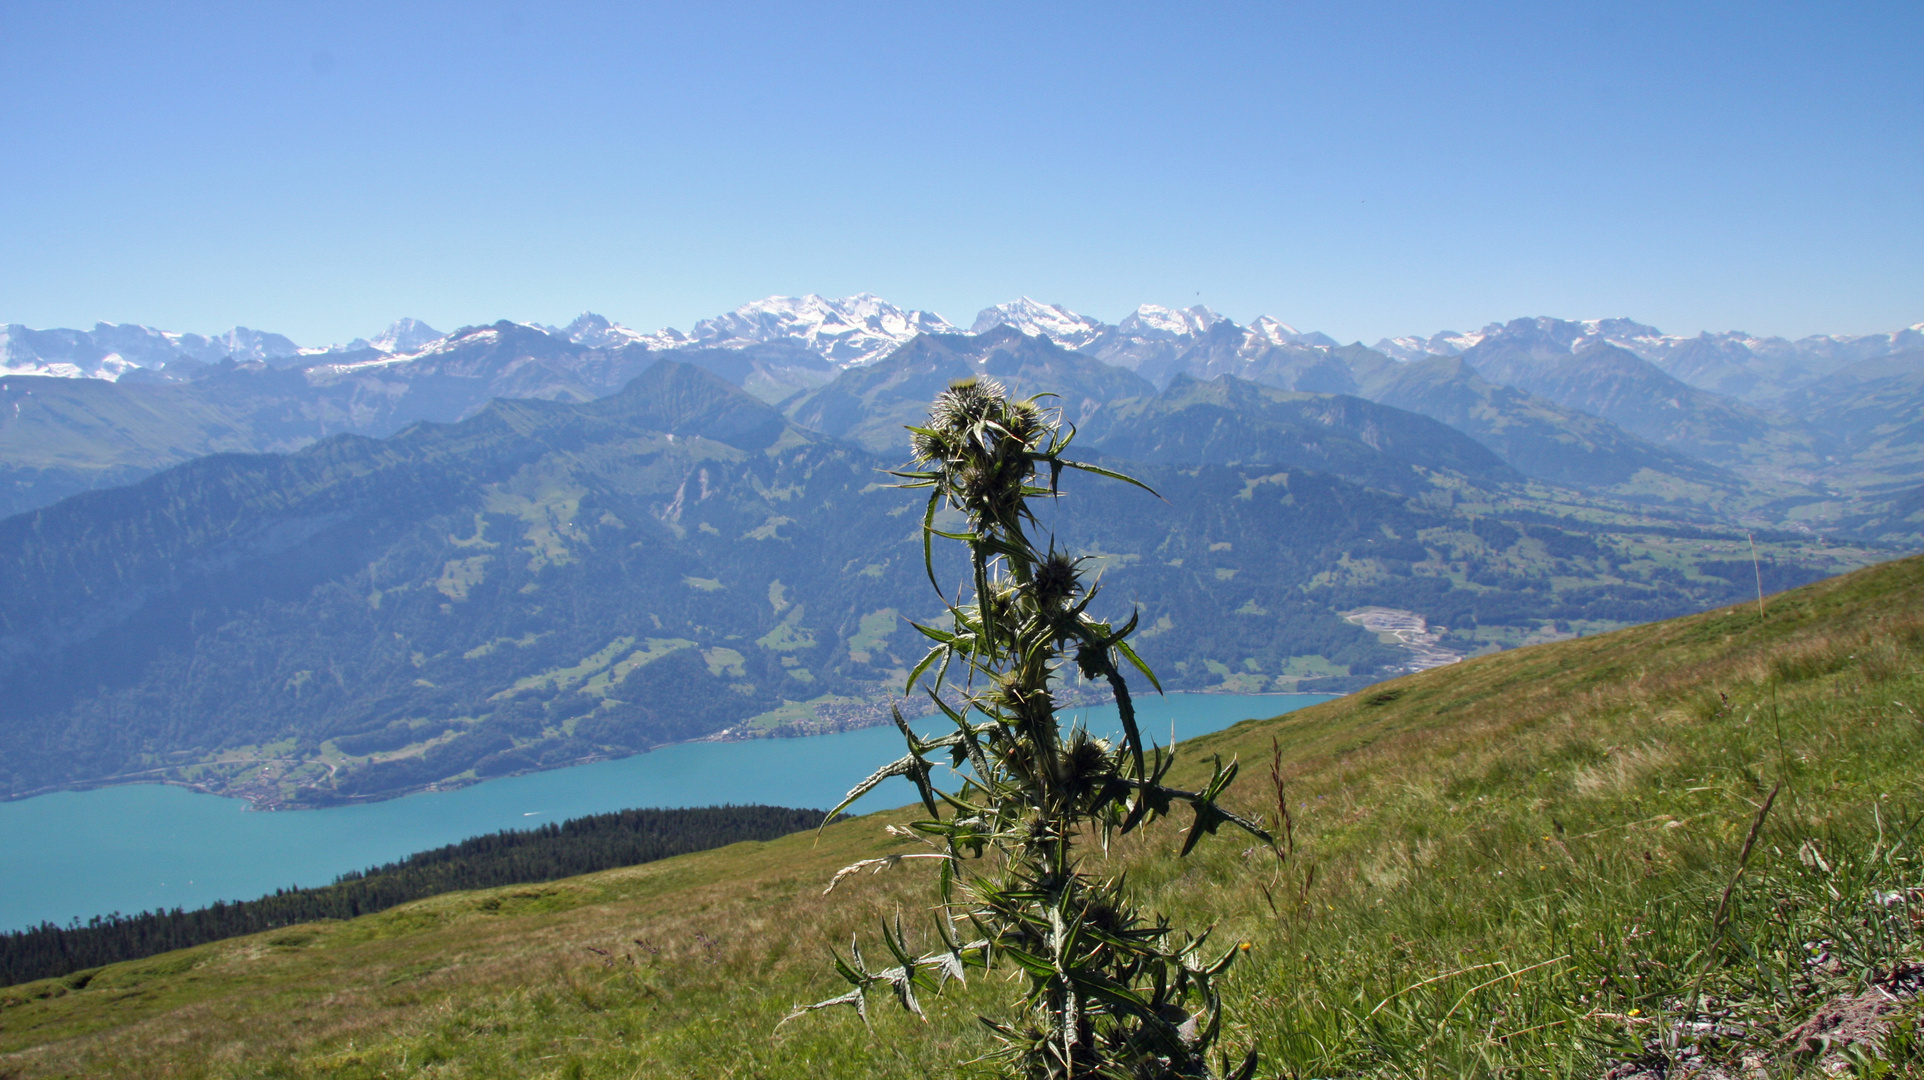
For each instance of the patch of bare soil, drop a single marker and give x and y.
(1856, 1020)
(1845, 1026)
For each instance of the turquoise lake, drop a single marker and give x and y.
(143, 846)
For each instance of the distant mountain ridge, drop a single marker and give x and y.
(1229, 421)
(113, 350)
(1590, 374)
(1753, 369)
(863, 328)
(1611, 406)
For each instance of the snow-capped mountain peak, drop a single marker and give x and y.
(1065, 327)
(1154, 320)
(1645, 341)
(1266, 333)
(110, 350)
(1441, 343)
(599, 332)
(404, 336)
(847, 331)
(1271, 331)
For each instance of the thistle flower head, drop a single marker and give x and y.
(1056, 580)
(985, 445)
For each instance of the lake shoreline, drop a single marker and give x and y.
(859, 717)
(145, 843)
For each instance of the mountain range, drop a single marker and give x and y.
(424, 558)
(863, 328)
(1754, 369)
(1816, 439)
(550, 581)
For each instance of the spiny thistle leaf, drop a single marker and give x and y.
(855, 997)
(909, 765)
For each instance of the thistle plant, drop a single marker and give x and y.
(1109, 991)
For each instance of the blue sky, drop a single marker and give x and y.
(1362, 169)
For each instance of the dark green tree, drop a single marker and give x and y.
(1110, 991)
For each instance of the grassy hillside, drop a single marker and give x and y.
(1514, 865)
(545, 853)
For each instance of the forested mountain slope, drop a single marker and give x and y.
(363, 587)
(1873, 411)
(548, 582)
(1543, 439)
(1229, 421)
